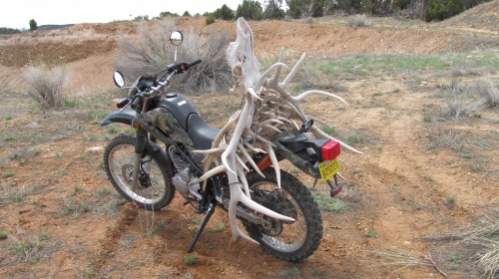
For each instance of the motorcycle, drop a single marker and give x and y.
(235, 168)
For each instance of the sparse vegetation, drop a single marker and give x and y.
(3, 234)
(476, 247)
(190, 259)
(469, 100)
(33, 249)
(450, 202)
(46, 86)
(330, 204)
(404, 259)
(74, 208)
(359, 21)
(371, 234)
(23, 155)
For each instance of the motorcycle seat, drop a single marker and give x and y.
(200, 133)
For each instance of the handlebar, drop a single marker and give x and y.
(161, 81)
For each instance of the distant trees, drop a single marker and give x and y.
(167, 13)
(33, 25)
(224, 13)
(186, 13)
(295, 8)
(141, 18)
(6, 30)
(442, 9)
(250, 10)
(273, 11)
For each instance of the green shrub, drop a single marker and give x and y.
(33, 25)
(318, 8)
(250, 10)
(442, 9)
(295, 8)
(224, 13)
(210, 19)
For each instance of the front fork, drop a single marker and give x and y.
(140, 150)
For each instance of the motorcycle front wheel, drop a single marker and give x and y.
(153, 190)
(290, 242)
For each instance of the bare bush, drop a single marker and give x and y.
(359, 21)
(404, 259)
(46, 86)
(468, 100)
(6, 81)
(152, 52)
(478, 245)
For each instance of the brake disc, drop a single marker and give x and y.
(277, 202)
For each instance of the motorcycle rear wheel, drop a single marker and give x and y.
(297, 202)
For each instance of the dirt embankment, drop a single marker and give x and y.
(484, 16)
(330, 37)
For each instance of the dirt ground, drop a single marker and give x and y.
(64, 220)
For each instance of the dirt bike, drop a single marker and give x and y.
(174, 149)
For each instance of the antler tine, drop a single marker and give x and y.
(212, 172)
(250, 160)
(293, 71)
(267, 72)
(209, 151)
(318, 92)
(244, 181)
(324, 134)
(255, 149)
(241, 162)
(254, 94)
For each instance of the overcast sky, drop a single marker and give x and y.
(17, 13)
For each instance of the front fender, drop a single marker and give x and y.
(120, 116)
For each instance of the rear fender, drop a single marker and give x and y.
(120, 116)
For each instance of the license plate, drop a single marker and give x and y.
(328, 169)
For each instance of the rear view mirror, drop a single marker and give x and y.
(176, 38)
(119, 79)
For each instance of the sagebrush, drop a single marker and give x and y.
(470, 99)
(46, 86)
(152, 52)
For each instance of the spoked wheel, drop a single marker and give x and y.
(291, 242)
(153, 190)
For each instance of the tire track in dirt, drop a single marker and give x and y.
(113, 234)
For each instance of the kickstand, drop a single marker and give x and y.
(209, 213)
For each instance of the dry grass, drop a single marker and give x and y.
(152, 52)
(4, 82)
(405, 259)
(478, 245)
(468, 100)
(359, 21)
(46, 86)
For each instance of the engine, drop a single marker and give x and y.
(185, 182)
